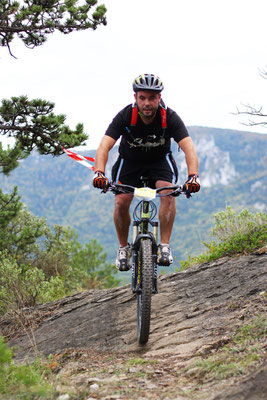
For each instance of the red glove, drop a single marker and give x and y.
(100, 181)
(192, 184)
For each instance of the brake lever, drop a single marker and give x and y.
(188, 195)
(176, 194)
(106, 188)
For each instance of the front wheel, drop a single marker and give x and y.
(145, 274)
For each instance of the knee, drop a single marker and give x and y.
(168, 201)
(122, 204)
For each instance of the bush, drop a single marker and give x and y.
(25, 286)
(235, 233)
(237, 228)
(24, 381)
(91, 268)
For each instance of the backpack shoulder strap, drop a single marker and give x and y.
(134, 115)
(163, 114)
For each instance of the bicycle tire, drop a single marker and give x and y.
(144, 296)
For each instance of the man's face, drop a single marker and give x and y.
(147, 102)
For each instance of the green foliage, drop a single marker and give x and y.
(236, 234)
(29, 241)
(25, 382)
(10, 205)
(38, 264)
(32, 21)
(24, 286)
(245, 224)
(257, 329)
(5, 355)
(9, 158)
(33, 125)
(91, 267)
(138, 361)
(19, 236)
(53, 253)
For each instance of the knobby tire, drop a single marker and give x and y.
(144, 297)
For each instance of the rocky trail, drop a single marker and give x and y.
(208, 337)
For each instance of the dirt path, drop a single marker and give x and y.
(111, 376)
(207, 341)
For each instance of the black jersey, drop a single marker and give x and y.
(146, 142)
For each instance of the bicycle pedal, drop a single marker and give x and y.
(164, 263)
(124, 268)
(154, 288)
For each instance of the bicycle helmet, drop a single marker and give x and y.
(148, 82)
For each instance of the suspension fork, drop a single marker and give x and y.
(141, 231)
(136, 273)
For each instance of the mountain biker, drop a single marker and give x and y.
(146, 129)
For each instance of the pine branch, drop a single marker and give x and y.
(33, 125)
(33, 20)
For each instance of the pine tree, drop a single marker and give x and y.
(33, 20)
(33, 125)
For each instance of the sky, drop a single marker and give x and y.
(208, 53)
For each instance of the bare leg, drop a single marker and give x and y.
(167, 211)
(122, 218)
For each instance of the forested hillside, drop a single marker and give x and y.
(232, 172)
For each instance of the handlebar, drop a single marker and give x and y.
(119, 188)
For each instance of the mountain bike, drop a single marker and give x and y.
(144, 248)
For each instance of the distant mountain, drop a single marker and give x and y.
(232, 172)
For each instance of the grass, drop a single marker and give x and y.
(244, 351)
(139, 361)
(23, 382)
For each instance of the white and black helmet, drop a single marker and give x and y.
(148, 82)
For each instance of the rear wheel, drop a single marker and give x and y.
(144, 294)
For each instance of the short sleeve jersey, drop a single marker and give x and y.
(146, 142)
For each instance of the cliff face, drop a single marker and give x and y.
(198, 315)
(216, 164)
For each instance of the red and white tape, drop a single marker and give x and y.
(81, 159)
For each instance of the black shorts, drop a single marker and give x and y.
(129, 172)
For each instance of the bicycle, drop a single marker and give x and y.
(144, 248)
